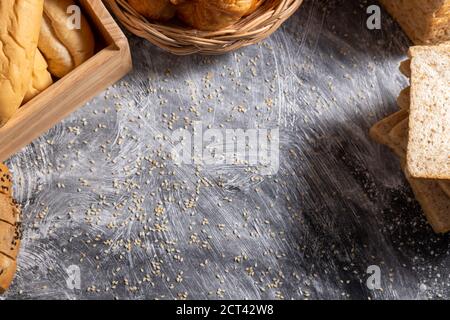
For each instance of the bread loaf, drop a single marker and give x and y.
(10, 230)
(5, 180)
(41, 79)
(20, 22)
(424, 21)
(8, 268)
(63, 46)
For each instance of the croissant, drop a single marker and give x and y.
(210, 15)
(154, 9)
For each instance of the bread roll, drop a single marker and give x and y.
(64, 47)
(255, 5)
(41, 80)
(213, 15)
(154, 9)
(20, 22)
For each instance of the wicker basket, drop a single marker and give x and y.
(181, 40)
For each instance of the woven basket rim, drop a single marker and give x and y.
(182, 40)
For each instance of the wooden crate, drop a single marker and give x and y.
(111, 62)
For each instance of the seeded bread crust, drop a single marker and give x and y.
(10, 230)
(5, 180)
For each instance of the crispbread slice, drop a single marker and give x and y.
(398, 138)
(445, 186)
(435, 203)
(405, 68)
(404, 98)
(380, 131)
(428, 153)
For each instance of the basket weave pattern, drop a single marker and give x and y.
(182, 40)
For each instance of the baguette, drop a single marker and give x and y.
(20, 22)
(63, 47)
(42, 79)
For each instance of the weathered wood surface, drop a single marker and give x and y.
(97, 193)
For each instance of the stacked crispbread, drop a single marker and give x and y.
(424, 21)
(420, 132)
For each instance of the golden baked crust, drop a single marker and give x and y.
(215, 14)
(425, 22)
(10, 237)
(64, 48)
(7, 271)
(42, 79)
(20, 22)
(5, 180)
(162, 10)
(8, 210)
(10, 230)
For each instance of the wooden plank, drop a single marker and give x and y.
(66, 95)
